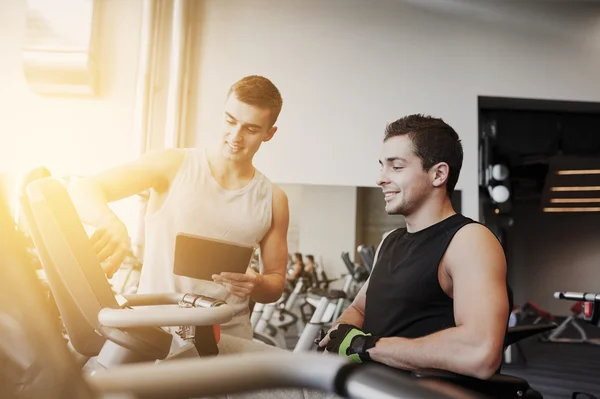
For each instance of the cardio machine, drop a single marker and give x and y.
(37, 364)
(105, 330)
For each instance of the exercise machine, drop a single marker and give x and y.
(589, 305)
(367, 255)
(570, 323)
(43, 368)
(105, 329)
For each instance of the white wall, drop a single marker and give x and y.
(322, 223)
(70, 135)
(294, 195)
(347, 67)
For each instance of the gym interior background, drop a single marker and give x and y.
(521, 76)
(345, 68)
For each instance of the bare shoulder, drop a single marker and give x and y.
(165, 164)
(280, 199)
(475, 234)
(168, 157)
(473, 244)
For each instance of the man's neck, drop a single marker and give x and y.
(428, 214)
(230, 175)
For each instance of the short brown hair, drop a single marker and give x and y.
(260, 92)
(433, 141)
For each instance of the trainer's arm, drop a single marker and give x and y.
(153, 170)
(91, 197)
(274, 252)
(476, 264)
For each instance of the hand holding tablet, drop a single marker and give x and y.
(223, 262)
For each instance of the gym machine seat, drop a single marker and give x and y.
(499, 385)
(39, 364)
(97, 322)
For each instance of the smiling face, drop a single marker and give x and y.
(245, 128)
(404, 182)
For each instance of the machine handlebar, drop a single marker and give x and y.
(577, 296)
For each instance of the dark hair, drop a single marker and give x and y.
(310, 258)
(260, 92)
(433, 141)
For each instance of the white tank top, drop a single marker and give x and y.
(197, 204)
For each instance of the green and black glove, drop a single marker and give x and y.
(348, 340)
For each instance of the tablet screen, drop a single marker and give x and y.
(201, 257)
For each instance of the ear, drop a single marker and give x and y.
(439, 174)
(270, 134)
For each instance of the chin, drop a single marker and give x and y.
(227, 154)
(394, 207)
(391, 209)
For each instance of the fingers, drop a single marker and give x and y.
(114, 262)
(238, 288)
(237, 285)
(324, 341)
(240, 277)
(108, 250)
(328, 337)
(99, 239)
(242, 292)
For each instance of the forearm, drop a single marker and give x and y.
(90, 202)
(352, 315)
(453, 349)
(269, 288)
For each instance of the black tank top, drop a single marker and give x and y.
(404, 296)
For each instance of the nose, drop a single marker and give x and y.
(236, 133)
(382, 179)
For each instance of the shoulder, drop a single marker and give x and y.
(280, 210)
(280, 200)
(164, 159)
(473, 244)
(164, 164)
(475, 231)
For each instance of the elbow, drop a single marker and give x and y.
(270, 292)
(487, 362)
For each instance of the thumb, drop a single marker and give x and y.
(324, 341)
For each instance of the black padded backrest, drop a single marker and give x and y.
(74, 273)
(35, 360)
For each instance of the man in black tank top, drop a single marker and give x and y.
(437, 296)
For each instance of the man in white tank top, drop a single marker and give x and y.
(213, 192)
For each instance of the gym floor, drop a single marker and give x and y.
(557, 370)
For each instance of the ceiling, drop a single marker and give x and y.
(536, 144)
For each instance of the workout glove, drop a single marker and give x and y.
(348, 340)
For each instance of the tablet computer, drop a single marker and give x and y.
(201, 257)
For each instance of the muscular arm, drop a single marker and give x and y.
(274, 252)
(153, 170)
(355, 313)
(476, 264)
(91, 196)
